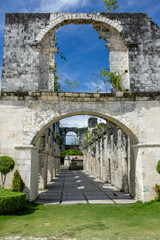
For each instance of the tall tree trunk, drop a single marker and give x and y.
(3, 178)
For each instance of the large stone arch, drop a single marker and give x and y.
(24, 117)
(124, 124)
(109, 30)
(60, 19)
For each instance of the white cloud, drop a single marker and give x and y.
(59, 5)
(77, 121)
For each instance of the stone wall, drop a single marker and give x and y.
(25, 116)
(63, 132)
(133, 41)
(49, 155)
(108, 156)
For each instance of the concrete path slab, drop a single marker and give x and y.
(80, 187)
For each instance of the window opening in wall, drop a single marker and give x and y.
(71, 138)
(85, 55)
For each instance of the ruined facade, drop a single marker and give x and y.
(79, 132)
(133, 41)
(108, 156)
(28, 105)
(49, 155)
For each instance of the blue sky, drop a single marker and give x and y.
(85, 53)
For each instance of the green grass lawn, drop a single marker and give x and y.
(138, 221)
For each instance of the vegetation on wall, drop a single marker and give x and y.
(59, 139)
(57, 78)
(6, 165)
(88, 138)
(157, 187)
(114, 78)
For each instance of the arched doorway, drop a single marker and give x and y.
(129, 159)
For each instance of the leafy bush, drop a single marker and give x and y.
(11, 202)
(6, 165)
(17, 182)
(158, 167)
(71, 152)
(157, 190)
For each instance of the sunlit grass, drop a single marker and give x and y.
(137, 221)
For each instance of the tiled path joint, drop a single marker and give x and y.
(79, 187)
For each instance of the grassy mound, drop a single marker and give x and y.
(11, 202)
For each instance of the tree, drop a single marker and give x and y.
(6, 165)
(71, 152)
(109, 4)
(17, 182)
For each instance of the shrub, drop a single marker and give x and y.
(71, 152)
(11, 202)
(158, 167)
(17, 182)
(6, 165)
(157, 190)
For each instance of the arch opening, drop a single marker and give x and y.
(118, 52)
(108, 156)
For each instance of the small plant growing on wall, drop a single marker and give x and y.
(114, 78)
(58, 139)
(17, 183)
(157, 187)
(6, 165)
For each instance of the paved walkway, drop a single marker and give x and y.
(73, 187)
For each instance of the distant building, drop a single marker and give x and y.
(73, 162)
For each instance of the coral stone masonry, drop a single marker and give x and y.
(29, 108)
(132, 39)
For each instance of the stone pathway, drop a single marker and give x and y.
(73, 187)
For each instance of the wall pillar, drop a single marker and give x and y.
(26, 157)
(146, 156)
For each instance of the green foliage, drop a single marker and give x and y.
(88, 138)
(72, 84)
(157, 190)
(109, 77)
(6, 165)
(57, 78)
(17, 182)
(11, 202)
(74, 141)
(158, 167)
(58, 139)
(71, 152)
(109, 4)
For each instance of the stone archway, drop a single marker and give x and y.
(35, 112)
(109, 30)
(27, 110)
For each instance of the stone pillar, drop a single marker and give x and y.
(26, 157)
(41, 170)
(146, 157)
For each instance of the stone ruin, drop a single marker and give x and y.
(29, 106)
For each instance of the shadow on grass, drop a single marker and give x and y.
(29, 208)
